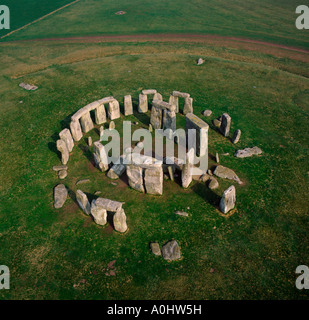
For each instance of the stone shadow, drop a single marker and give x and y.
(206, 194)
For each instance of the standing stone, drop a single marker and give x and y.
(127, 105)
(171, 172)
(89, 141)
(188, 106)
(100, 114)
(154, 180)
(228, 200)
(217, 157)
(156, 117)
(157, 96)
(83, 202)
(86, 122)
(143, 103)
(135, 177)
(66, 136)
(186, 175)
(120, 221)
(62, 147)
(150, 128)
(100, 156)
(175, 102)
(60, 195)
(98, 213)
(155, 248)
(76, 130)
(225, 124)
(171, 251)
(169, 120)
(236, 136)
(113, 110)
(112, 125)
(101, 131)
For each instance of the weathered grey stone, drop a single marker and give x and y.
(181, 94)
(82, 181)
(144, 161)
(171, 251)
(27, 86)
(112, 125)
(135, 177)
(201, 127)
(175, 102)
(213, 183)
(226, 173)
(163, 105)
(101, 131)
(236, 136)
(207, 113)
(217, 157)
(76, 130)
(149, 91)
(120, 221)
(188, 106)
(182, 213)
(86, 122)
(248, 152)
(205, 177)
(143, 103)
(225, 124)
(108, 205)
(228, 200)
(171, 172)
(157, 96)
(216, 123)
(186, 176)
(82, 201)
(98, 213)
(59, 168)
(62, 147)
(66, 136)
(113, 110)
(128, 106)
(100, 114)
(200, 61)
(155, 248)
(60, 195)
(156, 118)
(89, 141)
(154, 180)
(169, 120)
(100, 156)
(150, 128)
(116, 171)
(62, 174)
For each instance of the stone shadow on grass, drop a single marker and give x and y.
(206, 194)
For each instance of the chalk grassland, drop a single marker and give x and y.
(266, 20)
(62, 254)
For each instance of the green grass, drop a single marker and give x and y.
(267, 20)
(62, 254)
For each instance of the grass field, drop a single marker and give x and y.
(266, 20)
(63, 254)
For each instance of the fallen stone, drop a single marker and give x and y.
(60, 195)
(108, 205)
(205, 177)
(82, 181)
(248, 152)
(216, 123)
(217, 157)
(59, 168)
(236, 136)
(120, 221)
(62, 174)
(213, 183)
(98, 213)
(182, 213)
(209, 172)
(200, 61)
(116, 171)
(226, 173)
(207, 113)
(171, 251)
(83, 202)
(27, 86)
(228, 200)
(97, 193)
(155, 248)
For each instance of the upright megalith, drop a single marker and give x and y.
(127, 105)
(156, 117)
(228, 200)
(98, 213)
(113, 110)
(188, 106)
(76, 130)
(60, 196)
(169, 120)
(62, 147)
(120, 221)
(193, 122)
(175, 102)
(66, 136)
(100, 156)
(86, 122)
(143, 103)
(154, 180)
(225, 124)
(236, 136)
(135, 177)
(186, 174)
(83, 202)
(100, 114)
(157, 96)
